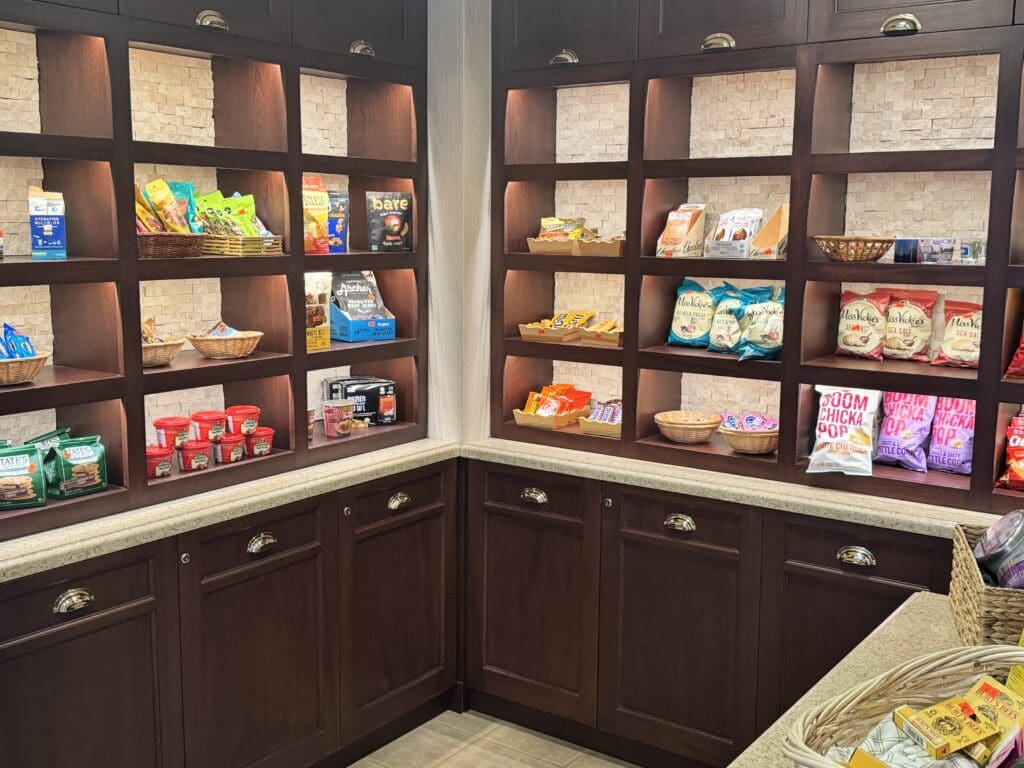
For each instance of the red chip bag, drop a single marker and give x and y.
(908, 331)
(1013, 476)
(1016, 369)
(862, 322)
(961, 339)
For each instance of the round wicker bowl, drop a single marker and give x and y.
(839, 248)
(226, 347)
(21, 370)
(756, 443)
(161, 353)
(847, 719)
(688, 427)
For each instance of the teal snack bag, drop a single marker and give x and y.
(727, 326)
(763, 326)
(694, 314)
(185, 195)
(21, 478)
(76, 467)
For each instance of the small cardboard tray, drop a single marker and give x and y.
(610, 338)
(551, 247)
(610, 248)
(561, 421)
(600, 428)
(549, 335)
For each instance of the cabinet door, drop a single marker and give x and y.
(258, 649)
(679, 603)
(530, 33)
(395, 30)
(844, 19)
(398, 597)
(534, 551)
(259, 19)
(816, 608)
(681, 27)
(89, 665)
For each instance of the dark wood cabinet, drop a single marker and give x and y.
(679, 604)
(532, 33)
(533, 572)
(844, 19)
(826, 586)
(89, 665)
(259, 645)
(107, 6)
(259, 19)
(398, 596)
(681, 27)
(395, 31)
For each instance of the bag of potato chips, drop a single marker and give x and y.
(846, 432)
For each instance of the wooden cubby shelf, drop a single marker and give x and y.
(190, 369)
(903, 162)
(594, 354)
(346, 353)
(22, 270)
(891, 376)
(687, 360)
(607, 265)
(898, 274)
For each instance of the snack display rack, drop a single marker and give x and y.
(97, 383)
(657, 173)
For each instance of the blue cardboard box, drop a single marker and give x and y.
(47, 225)
(344, 328)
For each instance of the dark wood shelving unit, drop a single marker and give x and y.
(657, 171)
(86, 143)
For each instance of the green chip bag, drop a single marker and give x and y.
(21, 478)
(76, 467)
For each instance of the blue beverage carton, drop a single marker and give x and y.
(47, 225)
(337, 223)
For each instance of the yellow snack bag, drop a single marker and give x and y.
(166, 207)
(146, 214)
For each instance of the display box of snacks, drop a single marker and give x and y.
(772, 242)
(554, 421)
(607, 332)
(732, 236)
(605, 420)
(556, 406)
(683, 237)
(357, 309)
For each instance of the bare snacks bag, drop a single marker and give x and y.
(846, 431)
(389, 218)
(905, 430)
(694, 314)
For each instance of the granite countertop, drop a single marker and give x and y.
(920, 626)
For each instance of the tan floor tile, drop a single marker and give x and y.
(594, 760)
(366, 763)
(534, 744)
(469, 723)
(488, 754)
(422, 747)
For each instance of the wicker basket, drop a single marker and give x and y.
(170, 245)
(755, 443)
(984, 615)
(839, 248)
(236, 245)
(688, 427)
(161, 353)
(21, 370)
(847, 719)
(226, 347)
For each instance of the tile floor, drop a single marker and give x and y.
(472, 740)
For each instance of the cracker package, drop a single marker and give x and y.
(683, 237)
(729, 321)
(161, 199)
(846, 431)
(318, 308)
(76, 467)
(906, 427)
(316, 209)
(862, 323)
(389, 218)
(762, 336)
(47, 225)
(908, 329)
(22, 483)
(952, 447)
(337, 222)
(731, 238)
(694, 313)
(961, 339)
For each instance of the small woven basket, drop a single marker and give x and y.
(687, 427)
(983, 615)
(226, 347)
(170, 245)
(847, 719)
(236, 245)
(839, 248)
(755, 443)
(161, 353)
(21, 370)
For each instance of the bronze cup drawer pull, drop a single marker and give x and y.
(399, 502)
(681, 523)
(862, 557)
(533, 496)
(565, 56)
(261, 543)
(362, 48)
(901, 24)
(718, 41)
(213, 20)
(73, 601)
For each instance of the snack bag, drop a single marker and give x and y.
(1016, 369)
(1013, 475)
(905, 430)
(144, 215)
(694, 313)
(210, 211)
(21, 478)
(908, 329)
(18, 344)
(357, 295)
(574, 319)
(76, 467)
(952, 448)
(553, 228)
(862, 323)
(727, 326)
(337, 222)
(242, 210)
(762, 336)
(48, 440)
(846, 431)
(221, 329)
(166, 207)
(149, 334)
(684, 233)
(389, 219)
(185, 194)
(316, 205)
(961, 339)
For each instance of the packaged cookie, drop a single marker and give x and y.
(903, 437)
(683, 237)
(952, 447)
(862, 323)
(76, 467)
(908, 329)
(694, 313)
(762, 336)
(48, 440)
(961, 339)
(21, 478)
(729, 320)
(846, 431)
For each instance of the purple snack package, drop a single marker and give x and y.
(758, 422)
(952, 447)
(905, 429)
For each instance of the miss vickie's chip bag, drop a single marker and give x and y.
(694, 313)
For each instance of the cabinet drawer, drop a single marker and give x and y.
(535, 490)
(395, 30)
(399, 498)
(846, 19)
(259, 19)
(236, 545)
(29, 607)
(681, 518)
(903, 557)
